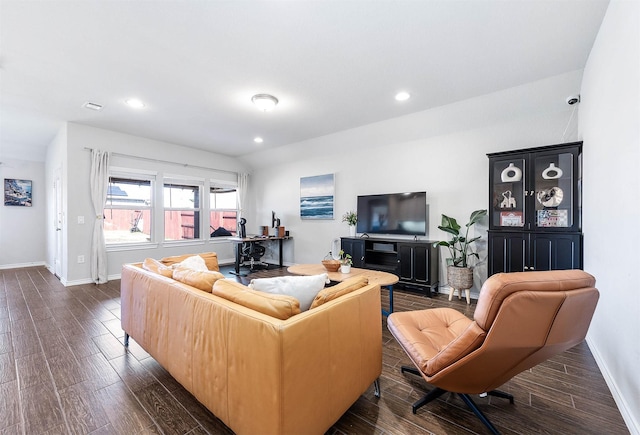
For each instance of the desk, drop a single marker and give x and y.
(240, 240)
(384, 279)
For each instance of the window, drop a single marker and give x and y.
(223, 214)
(127, 211)
(181, 211)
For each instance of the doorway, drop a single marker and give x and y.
(58, 222)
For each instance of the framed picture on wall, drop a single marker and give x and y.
(317, 197)
(17, 192)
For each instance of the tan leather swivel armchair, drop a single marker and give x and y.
(521, 320)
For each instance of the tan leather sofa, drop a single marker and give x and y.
(257, 373)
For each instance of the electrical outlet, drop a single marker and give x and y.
(81, 220)
(80, 258)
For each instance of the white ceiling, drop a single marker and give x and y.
(333, 65)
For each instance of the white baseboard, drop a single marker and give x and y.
(89, 280)
(19, 265)
(627, 415)
(76, 282)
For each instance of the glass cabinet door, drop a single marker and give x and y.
(509, 193)
(553, 189)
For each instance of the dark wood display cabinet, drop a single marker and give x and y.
(414, 262)
(535, 209)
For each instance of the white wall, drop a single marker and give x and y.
(77, 195)
(442, 151)
(609, 124)
(22, 229)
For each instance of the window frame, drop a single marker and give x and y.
(223, 185)
(184, 182)
(133, 177)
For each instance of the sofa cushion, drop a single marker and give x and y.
(279, 306)
(210, 259)
(153, 265)
(303, 288)
(202, 280)
(342, 288)
(195, 262)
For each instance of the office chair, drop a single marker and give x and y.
(521, 320)
(251, 251)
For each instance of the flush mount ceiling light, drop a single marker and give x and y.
(135, 103)
(264, 102)
(402, 96)
(258, 140)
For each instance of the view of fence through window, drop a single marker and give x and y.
(181, 212)
(127, 212)
(223, 214)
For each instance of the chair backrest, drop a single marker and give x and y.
(253, 250)
(528, 317)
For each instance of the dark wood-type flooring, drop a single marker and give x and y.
(63, 370)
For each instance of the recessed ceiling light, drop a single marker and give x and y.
(135, 103)
(258, 140)
(264, 102)
(402, 96)
(92, 106)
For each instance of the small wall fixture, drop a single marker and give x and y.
(573, 99)
(264, 102)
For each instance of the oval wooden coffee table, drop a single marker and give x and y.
(384, 279)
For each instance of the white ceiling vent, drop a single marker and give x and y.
(92, 106)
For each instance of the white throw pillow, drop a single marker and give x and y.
(195, 262)
(303, 288)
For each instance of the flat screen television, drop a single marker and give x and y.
(393, 213)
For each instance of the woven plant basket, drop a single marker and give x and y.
(331, 265)
(460, 278)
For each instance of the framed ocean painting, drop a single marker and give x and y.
(17, 192)
(316, 197)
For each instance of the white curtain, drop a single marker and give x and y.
(243, 182)
(99, 185)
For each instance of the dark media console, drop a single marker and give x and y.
(415, 262)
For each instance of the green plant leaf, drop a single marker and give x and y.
(450, 223)
(442, 243)
(476, 216)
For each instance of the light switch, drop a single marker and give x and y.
(81, 219)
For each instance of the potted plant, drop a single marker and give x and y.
(351, 218)
(459, 274)
(345, 262)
